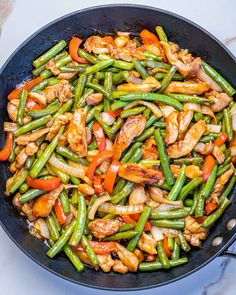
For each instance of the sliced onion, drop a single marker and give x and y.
(168, 207)
(41, 226)
(10, 127)
(156, 233)
(76, 172)
(233, 115)
(190, 106)
(233, 151)
(156, 111)
(97, 203)
(201, 75)
(109, 145)
(166, 110)
(156, 195)
(134, 80)
(214, 128)
(120, 210)
(207, 111)
(88, 136)
(107, 118)
(169, 232)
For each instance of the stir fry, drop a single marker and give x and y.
(121, 150)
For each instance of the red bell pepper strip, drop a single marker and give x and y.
(129, 219)
(32, 105)
(110, 176)
(210, 207)
(114, 113)
(166, 248)
(221, 139)
(100, 136)
(73, 50)
(44, 184)
(6, 151)
(149, 38)
(97, 183)
(208, 166)
(97, 160)
(27, 85)
(61, 216)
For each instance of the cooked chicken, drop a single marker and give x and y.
(187, 87)
(139, 173)
(39, 98)
(218, 154)
(172, 127)
(159, 196)
(105, 262)
(185, 118)
(132, 128)
(59, 121)
(204, 148)
(102, 228)
(60, 91)
(76, 134)
(31, 149)
(12, 109)
(201, 75)
(138, 195)
(44, 204)
(149, 84)
(175, 170)
(93, 98)
(21, 159)
(185, 146)
(98, 45)
(128, 258)
(120, 267)
(193, 231)
(221, 100)
(67, 75)
(51, 65)
(28, 211)
(26, 138)
(187, 65)
(147, 243)
(139, 254)
(149, 149)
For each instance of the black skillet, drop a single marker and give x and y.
(84, 23)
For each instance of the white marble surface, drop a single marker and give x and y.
(18, 274)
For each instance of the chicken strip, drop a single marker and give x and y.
(147, 243)
(105, 262)
(187, 87)
(221, 100)
(60, 91)
(185, 146)
(128, 258)
(132, 128)
(218, 154)
(139, 173)
(59, 121)
(149, 84)
(27, 138)
(172, 127)
(102, 228)
(193, 231)
(204, 148)
(185, 118)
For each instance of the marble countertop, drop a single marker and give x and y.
(18, 273)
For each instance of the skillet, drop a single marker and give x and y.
(84, 23)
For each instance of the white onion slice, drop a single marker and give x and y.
(107, 118)
(10, 127)
(156, 111)
(156, 233)
(190, 106)
(212, 128)
(97, 203)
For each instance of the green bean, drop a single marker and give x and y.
(53, 51)
(61, 242)
(106, 128)
(176, 77)
(118, 78)
(74, 197)
(90, 114)
(80, 222)
(75, 69)
(125, 227)
(92, 146)
(23, 188)
(155, 64)
(188, 203)
(21, 108)
(98, 66)
(91, 58)
(164, 186)
(228, 124)
(140, 69)
(199, 210)
(64, 108)
(44, 172)
(176, 189)
(146, 134)
(151, 121)
(70, 253)
(49, 110)
(195, 201)
(40, 86)
(209, 137)
(65, 202)
(162, 255)
(109, 216)
(223, 170)
(99, 88)
(123, 65)
(36, 72)
(176, 251)
(168, 214)
(118, 104)
(139, 228)
(61, 62)
(119, 185)
(57, 223)
(29, 162)
(150, 162)
(79, 89)
(67, 153)
(147, 113)
(223, 147)
(118, 94)
(213, 217)
(219, 116)
(190, 98)
(150, 55)
(54, 233)
(12, 156)
(189, 187)
(161, 34)
(227, 190)
(136, 157)
(108, 83)
(32, 125)
(125, 191)
(163, 158)
(226, 162)
(167, 79)
(218, 79)
(117, 125)
(156, 97)
(31, 194)
(131, 112)
(198, 116)
(128, 154)
(40, 163)
(207, 119)
(160, 124)
(151, 266)
(169, 223)
(170, 243)
(122, 236)
(63, 176)
(210, 183)
(18, 180)
(183, 243)
(89, 250)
